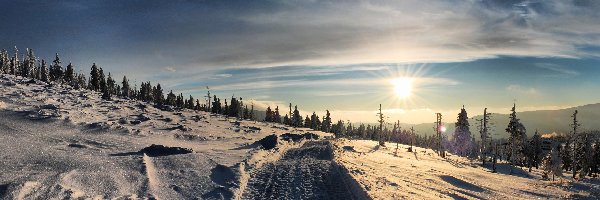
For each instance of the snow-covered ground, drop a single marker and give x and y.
(59, 143)
(422, 174)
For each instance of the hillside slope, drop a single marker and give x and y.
(386, 174)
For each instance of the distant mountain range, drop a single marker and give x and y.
(545, 121)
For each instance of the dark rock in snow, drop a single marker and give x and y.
(123, 120)
(77, 145)
(310, 136)
(167, 108)
(142, 117)
(268, 142)
(155, 150)
(291, 137)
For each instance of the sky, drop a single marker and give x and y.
(332, 55)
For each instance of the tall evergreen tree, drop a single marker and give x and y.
(56, 70)
(326, 124)
(103, 87)
(125, 90)
(95, 78)
(158, 95)
(171, 98)
(296, 118)
(44, 72)
(534, 151)
(111, 85)
(69, 76)
(277, 116)
(268, 115)
(517, 138)
(461, 139)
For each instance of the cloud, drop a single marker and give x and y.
(265, 33)
(522, 90)
(557, 70)
(170, 69)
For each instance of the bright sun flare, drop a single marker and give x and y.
(402, 87)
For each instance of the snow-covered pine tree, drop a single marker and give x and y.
(44, 76)
(4, 61)
(28, 64)
(110, 84)
(517, 138)
(56, 70)
(566, 155)
(595, 164)
(461, 139)
(551, 163)
(575, 136)
(69, 75)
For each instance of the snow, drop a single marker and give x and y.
(424, 175)
(57, 143)
(60, 143)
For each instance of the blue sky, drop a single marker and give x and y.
(336, 55)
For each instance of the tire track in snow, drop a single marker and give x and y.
(151, 174)
(308, 172)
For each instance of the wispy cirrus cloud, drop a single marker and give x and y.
(522, 90)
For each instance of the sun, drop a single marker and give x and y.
(402, 87)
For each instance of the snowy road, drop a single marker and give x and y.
(307, 172)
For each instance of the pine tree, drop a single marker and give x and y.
(69, 76)
(171, 98)
(326, 124)
(56, 71)
(110, 85)
(28, 64)
(158, 95)
(575, 125)
(44, 72)
(277, 116)
(534, 151)
(461, 140)
(307, 122)
(125, 90)
(269, 114)
(4, 62)
(286, 120)
(103, 87)
(95, 78)
(313, 122)
(566, 155)
(191, 102)
(296, 118)
(551, 164)
(252, 112)
(517, 138)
